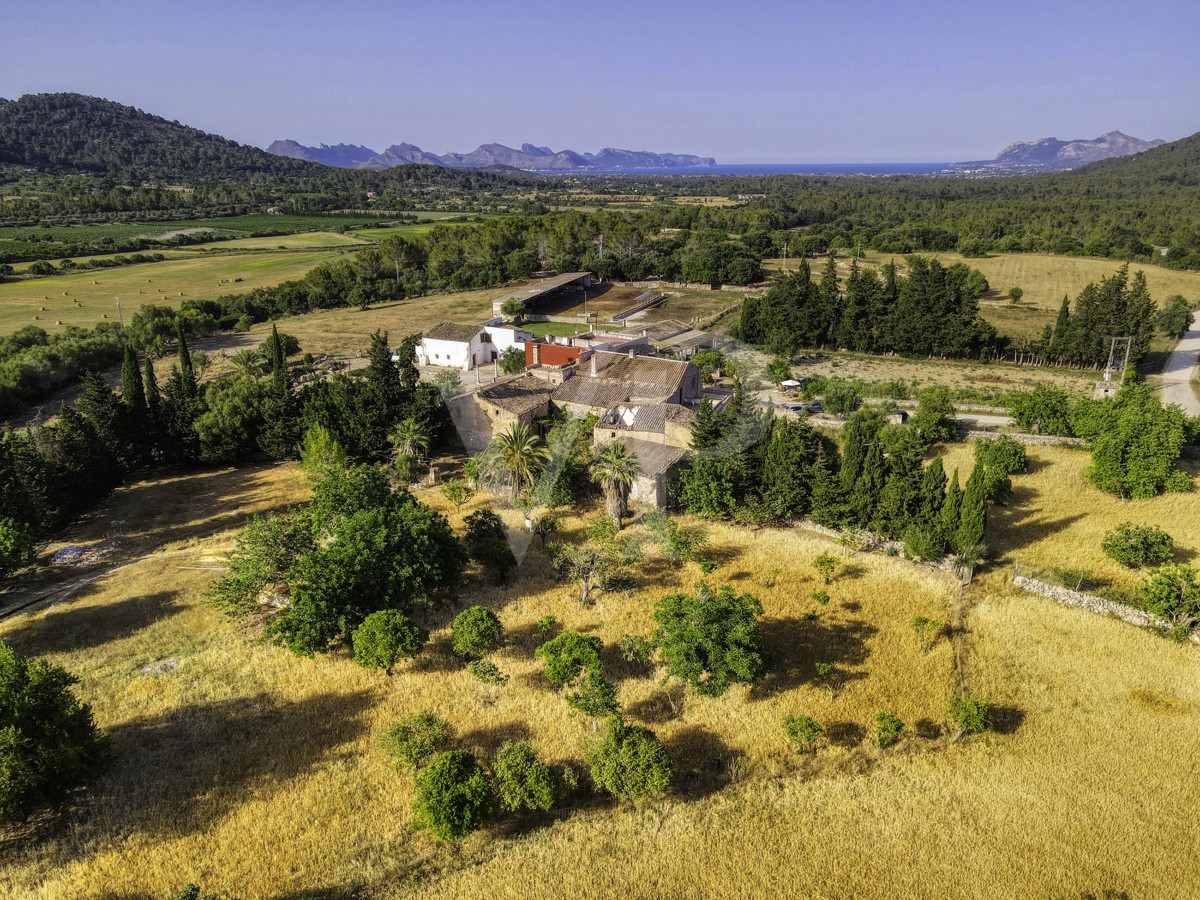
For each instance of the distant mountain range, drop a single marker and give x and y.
(529, 157)
(1053, 155)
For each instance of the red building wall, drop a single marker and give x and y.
(552, 354)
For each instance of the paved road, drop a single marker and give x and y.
(1181, 370)
(971, 418)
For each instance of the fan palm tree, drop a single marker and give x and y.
(515, 456)
(248, 362)
(614, 469)
(410, 440)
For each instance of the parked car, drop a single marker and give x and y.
(814, 406)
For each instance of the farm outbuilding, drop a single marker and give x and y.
(546, 290)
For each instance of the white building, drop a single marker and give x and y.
(466, 346)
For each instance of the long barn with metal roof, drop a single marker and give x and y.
(546, 289)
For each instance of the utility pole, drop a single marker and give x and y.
(785, 249)
(119, 314)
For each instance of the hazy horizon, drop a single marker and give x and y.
(766, 84)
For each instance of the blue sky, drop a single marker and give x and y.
(744, 82)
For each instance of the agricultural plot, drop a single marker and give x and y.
(52, 300)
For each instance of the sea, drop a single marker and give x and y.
(926, 168)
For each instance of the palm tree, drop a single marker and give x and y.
(410, 439)
(515, 456)
(614, 469)
(249, 362)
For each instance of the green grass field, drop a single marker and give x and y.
(51, 303)
(125, 230)
(558, 329)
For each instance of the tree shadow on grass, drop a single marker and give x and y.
(701, 761)
(796, 646)
(845, 734)
(181, 772)
(438, 657)
(75, 626)
(1006, 719)
(484, 742)
(655, 710)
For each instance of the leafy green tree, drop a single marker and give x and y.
(794, 450)
(968, 715)
(779, 370)
(133, 389)
(386, 637)
(321, 453)
(487, 672)
(233, 417)
(711, 638)
(680, 543)
(803, 731)
(615, 469)
(935, 419)
(416, 739)
(706, 488)
(512, 361)
(601, 558)
(826, 564)
(475, 631)
(569, 655)
(595, 696)
(1175, 318)
(17, 545)
(1002, 454)
(888, 729)
(523, 780)
(841, 397)
(1137, 445)
(1172, 593)
(457, 491)
(488, 545)
(1015, 294)
(454, 796)
(512, 309)
(868, 489)
(49, 744)
(1044, 410)
(630, 762)
(1137, 545)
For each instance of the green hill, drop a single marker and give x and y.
(1177, 163)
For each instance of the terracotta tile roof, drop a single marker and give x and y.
(518, 395)
(452, 331)
(620, 378)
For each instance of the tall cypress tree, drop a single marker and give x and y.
(281, 426)
(933, 494)
(133, 391)
(186, 371)
(706, 428)
(869, 486)
(1059, 342)
(153, 397)
(900, 499)
(829, 506)
(952, 510)
(829, 302)
(974, 512)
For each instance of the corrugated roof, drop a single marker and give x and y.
(652, 417)
(533, 291)
(654, 458)
(517, 395)
(452, 331)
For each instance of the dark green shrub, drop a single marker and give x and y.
(803, 731)
(924, 543)
(386, 637)
(49, 745)
(887, 728)
(454, 796)
(826, 564)
(630, 762)
(545, 626)
(1172, 592)
(415, 739)
(16, 546)
(523, 781)
(821, 598)
(475, 632)
(1137, 545)
(841, 398)
(1002, 454)
(927, 631)
(569, 654)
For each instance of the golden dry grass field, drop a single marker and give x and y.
(255, 773)
(1057, 519)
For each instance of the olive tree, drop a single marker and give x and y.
(454, 796)
(386, 637)
(475, 631)
(416, 739)
(630, 762)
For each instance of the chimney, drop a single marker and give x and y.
(537, 354)
(592, 366)
(632, 353)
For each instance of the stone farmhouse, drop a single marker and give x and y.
(643, 400)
